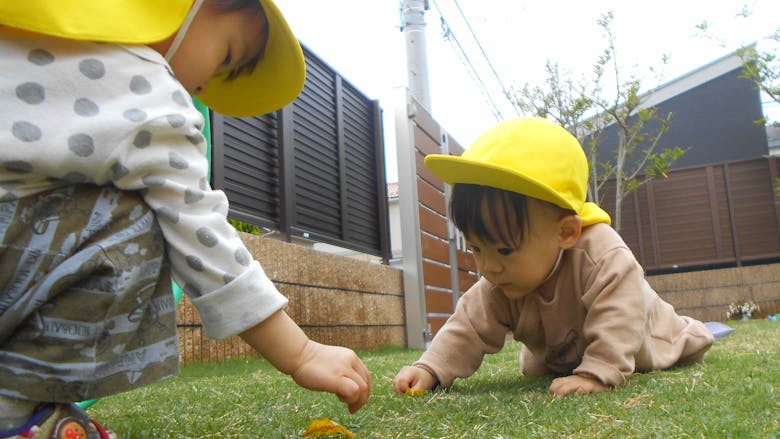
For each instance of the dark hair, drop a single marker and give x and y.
(466, 211)
(249, 6)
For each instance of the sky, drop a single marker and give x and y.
(362, 40)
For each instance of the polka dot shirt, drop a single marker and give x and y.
(83, 112)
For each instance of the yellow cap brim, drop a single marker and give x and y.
(276, 80)
(454, 169)
(274, 83)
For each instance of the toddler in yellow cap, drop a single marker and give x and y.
(554, 273)
(104, 197)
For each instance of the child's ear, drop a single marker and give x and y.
(569, 229)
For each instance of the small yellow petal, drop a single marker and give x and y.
(417, 392)
(322, 428)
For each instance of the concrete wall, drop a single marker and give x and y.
(705, 295)
(335, 299)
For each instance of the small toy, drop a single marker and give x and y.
(719, 330)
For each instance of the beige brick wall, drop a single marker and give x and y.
(335, 299)
(705, 295)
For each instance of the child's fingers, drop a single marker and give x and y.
(405, 380)
(353, 391)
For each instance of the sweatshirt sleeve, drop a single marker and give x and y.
(106, 114)
(164, 158)
(479, 326)
(616, 317)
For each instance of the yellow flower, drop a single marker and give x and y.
(324, 427)
(417, 392)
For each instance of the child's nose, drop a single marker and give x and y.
(492, 266)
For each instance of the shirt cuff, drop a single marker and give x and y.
(241, 304)
(601, 371)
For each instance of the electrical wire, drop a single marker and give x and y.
(487, 58)
(450, 36)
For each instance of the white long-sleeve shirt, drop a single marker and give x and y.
(106, 114)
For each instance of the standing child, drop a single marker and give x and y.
(104, 196)
(554, 273)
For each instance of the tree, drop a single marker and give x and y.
(761, 66)
(582, 108)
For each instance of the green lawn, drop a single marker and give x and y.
(734, 393)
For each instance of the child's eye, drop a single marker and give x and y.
(228, 59)
(505, 251)
(473, 248)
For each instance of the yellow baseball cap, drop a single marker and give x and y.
(275, 82)
(530, 156)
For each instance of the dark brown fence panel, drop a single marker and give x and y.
(314, 169)
(703, 217)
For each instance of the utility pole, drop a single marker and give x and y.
(413, 26)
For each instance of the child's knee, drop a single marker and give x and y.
(530, 365)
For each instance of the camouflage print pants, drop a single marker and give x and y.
(86, 308)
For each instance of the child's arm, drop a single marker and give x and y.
(312, 365)
(577, 384)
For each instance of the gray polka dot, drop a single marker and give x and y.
(192, 290)
(177, 161)
(142, 139)
(75, 177)
(227, 278)
(40, 57)
(181, 98)
(134, 115)
(198, 126)
(31, 93)
(118, 171)
(153, 180)
(195, 139)
(81, 144)
(203, 184)
(26, 131)
(242, 256)
(140, 85)
(195, 263)
(192, 196)
(18, 166)
(168, 214)
(206, 237)
(249, 319)
(85, 107)
(176, 120)
(221, 209)
(92, 68)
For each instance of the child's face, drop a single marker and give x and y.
(216, 44)
(521, 270)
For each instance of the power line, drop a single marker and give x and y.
(450, 36)
(487, 58)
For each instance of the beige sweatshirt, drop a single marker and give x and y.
(604, 320)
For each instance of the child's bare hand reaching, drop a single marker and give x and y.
(413, 378)
(336, 370)
(577, 384)
(312, 365)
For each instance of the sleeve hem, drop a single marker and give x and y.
(243, 303)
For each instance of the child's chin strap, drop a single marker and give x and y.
(183, 30)
(555, 267)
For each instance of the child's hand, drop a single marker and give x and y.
(336, 370)
(576, 384)
(413, 378)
